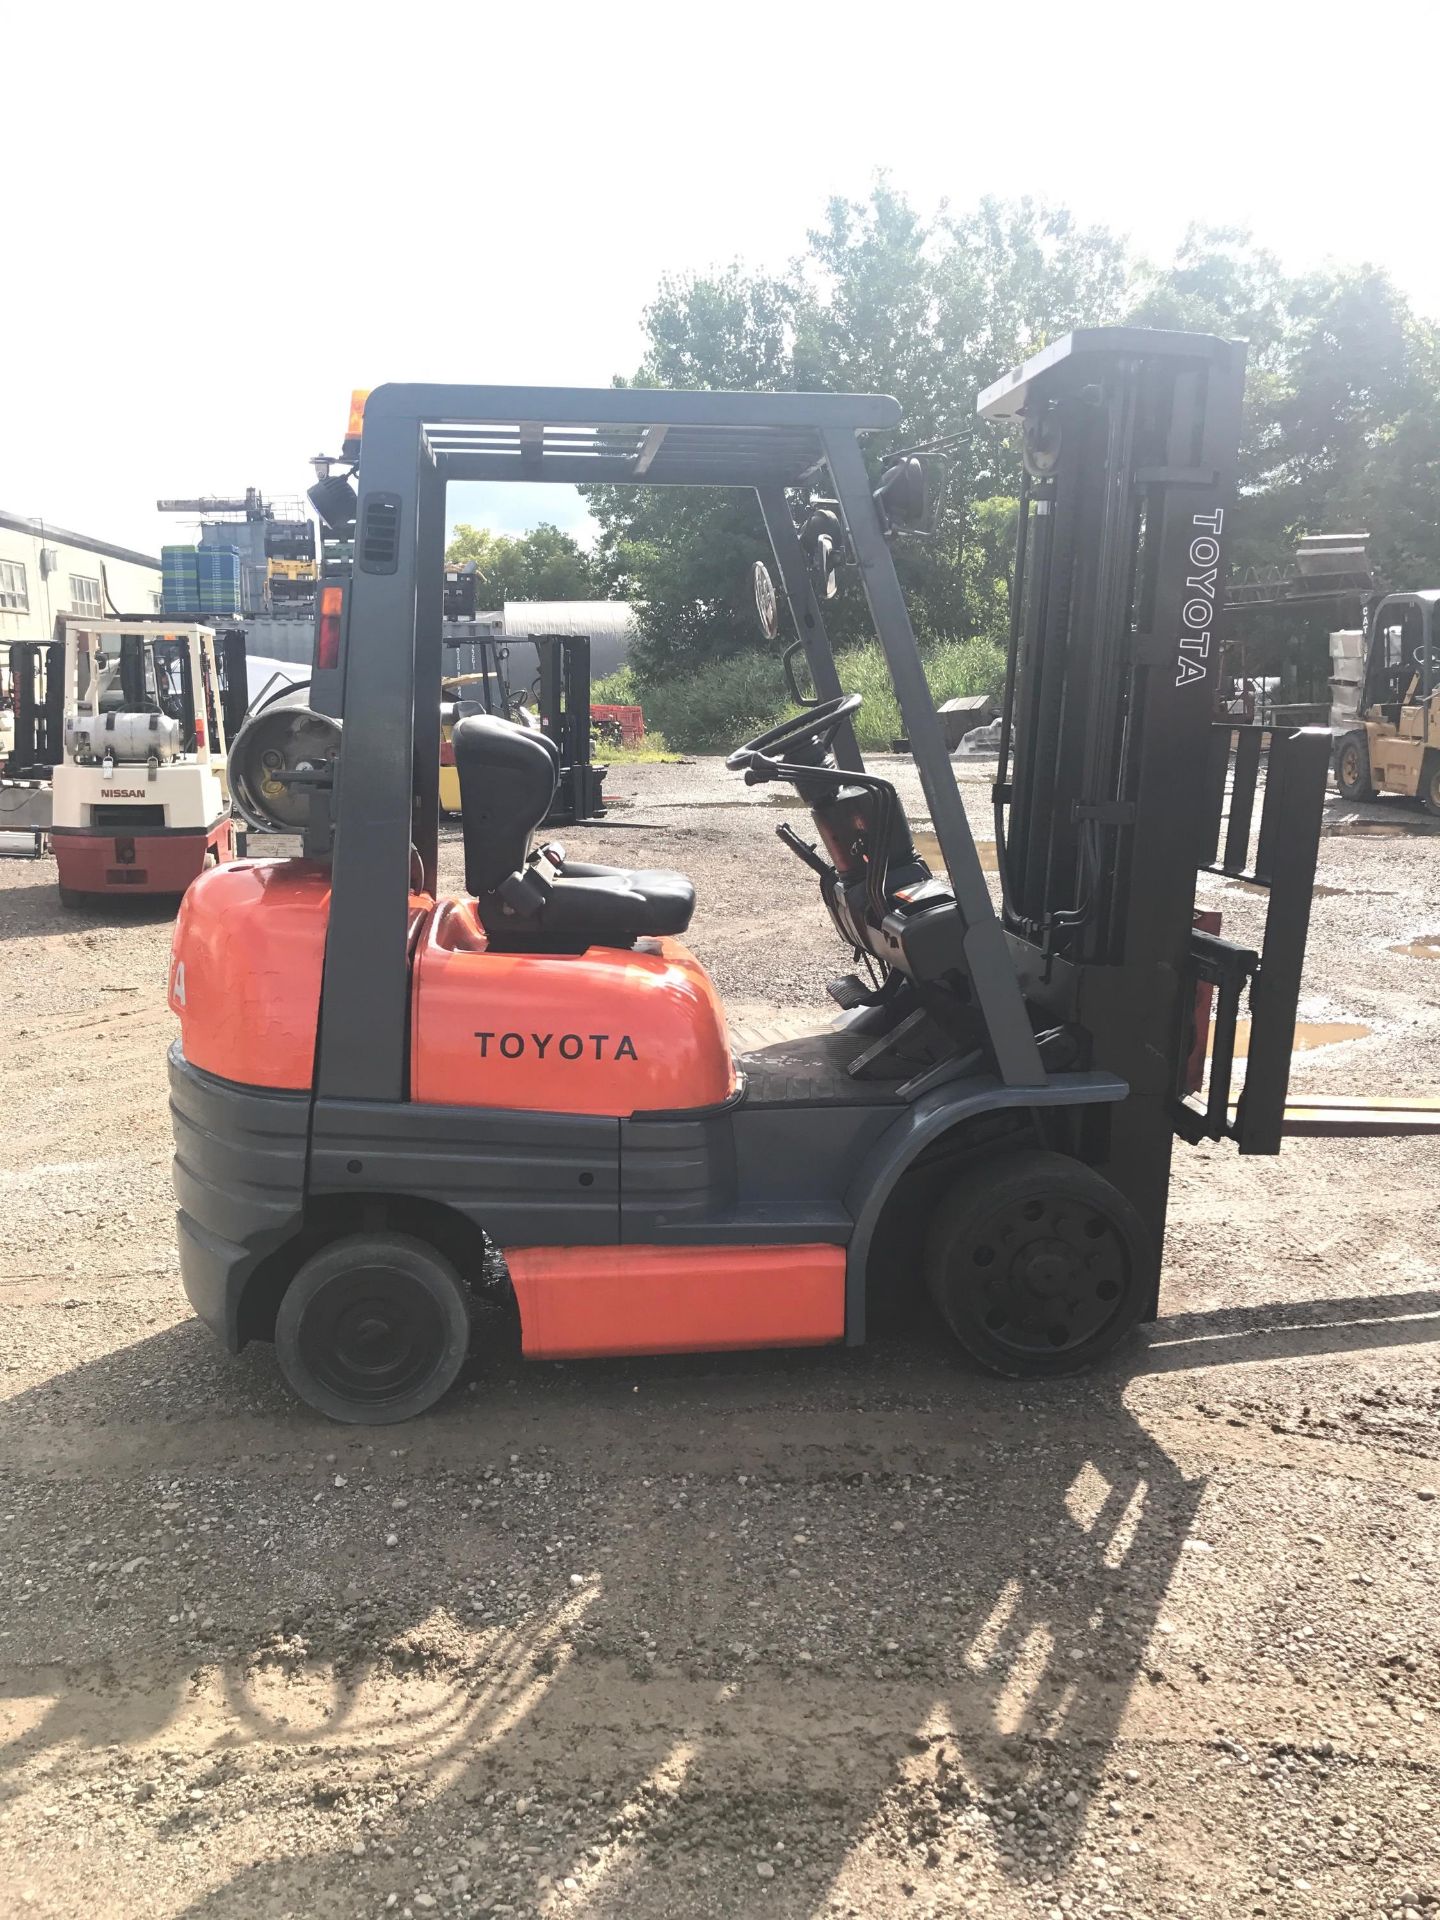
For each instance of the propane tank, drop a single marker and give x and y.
(284, 736)
(129, 737)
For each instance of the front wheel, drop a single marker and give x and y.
(1352, 768)
(1430, 784)
(373, 1329)
(1037, 1264)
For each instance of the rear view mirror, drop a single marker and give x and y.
(822, 537)
(903, 495)
(791, 661)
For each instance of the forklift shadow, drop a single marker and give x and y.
(1297, 1329)
(905, 1620)
(891, 1633)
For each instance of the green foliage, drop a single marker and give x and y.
(617, 689)
(654, 747)
(1342, 406)
(1341, 428)
(715, 707)
(544, 564)
(712, 708)
(928, 310)
(683, 559)
(622, 689)
(954, 668)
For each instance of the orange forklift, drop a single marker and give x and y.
(389, 1103)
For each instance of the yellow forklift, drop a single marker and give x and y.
(1396, 746)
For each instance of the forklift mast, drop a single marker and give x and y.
(1113, 772)
(563, 689)
(1129, 450)
(37, 691)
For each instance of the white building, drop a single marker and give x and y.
(45, 571)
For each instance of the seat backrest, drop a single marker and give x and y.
(507, 782)
(858, 823)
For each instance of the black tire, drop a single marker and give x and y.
(71, 899)
(1038, 1265)
(1430, 784)
(373, 1329)
(1352, 768)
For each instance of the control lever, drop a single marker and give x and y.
(804, 850)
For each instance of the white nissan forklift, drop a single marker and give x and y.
(141, 795)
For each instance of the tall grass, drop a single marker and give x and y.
(716, 706)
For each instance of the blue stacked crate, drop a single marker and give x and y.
(179, 580)
(219, 580)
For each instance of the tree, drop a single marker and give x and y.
(881, 299)
(544, 564)
(1341, 430)
(1341, 427)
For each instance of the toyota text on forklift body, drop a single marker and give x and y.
(1198, 613)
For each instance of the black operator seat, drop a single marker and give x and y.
(536, 897)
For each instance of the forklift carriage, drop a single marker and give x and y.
(378, 1090)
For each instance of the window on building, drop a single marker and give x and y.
(84, 594)
(14, 594)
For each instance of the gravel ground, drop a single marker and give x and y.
(824, 1633)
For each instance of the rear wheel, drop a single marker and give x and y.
(373, 1329)
(1352, 768)
(1037, 1264)
(1430, 784)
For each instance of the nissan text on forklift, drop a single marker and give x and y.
(387, 1103)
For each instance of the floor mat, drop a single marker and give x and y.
(787, 1062)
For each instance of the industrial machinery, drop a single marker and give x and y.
(32, 679)
(486, 690)
(31, 686)
(141, 801)
(1395, 745)
(388, 1103)
(275, 568)
(282, 760)
(558, 703)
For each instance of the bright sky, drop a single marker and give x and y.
(220, 220)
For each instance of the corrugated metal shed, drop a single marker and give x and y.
(609, 623)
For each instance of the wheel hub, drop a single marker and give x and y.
(372, 1333)
(1043, 1268)
(1051, 1274)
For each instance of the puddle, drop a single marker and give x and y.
(928, 848)
(1318, 892)
(1427, 948)
(1308, 1034)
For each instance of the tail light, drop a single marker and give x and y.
(355, 425)
(327, 637)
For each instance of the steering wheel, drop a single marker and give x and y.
(812, 733)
